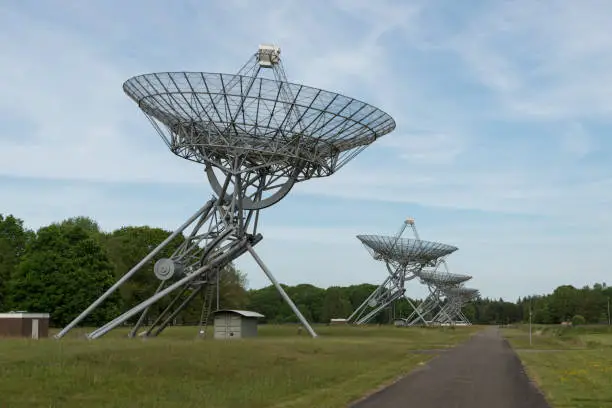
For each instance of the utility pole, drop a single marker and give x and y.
(530, 323)
(609, 322)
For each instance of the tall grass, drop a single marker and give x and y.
(279, 368)
(578, 372)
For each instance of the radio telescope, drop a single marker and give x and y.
(437, 280)
(404, 259)
(456, 298)
(256, 138)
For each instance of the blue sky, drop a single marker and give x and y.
(502, 144)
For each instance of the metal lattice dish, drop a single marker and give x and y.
(214, 118)
(404, 259)
(442, 278)
(405, 250)
(461, 292)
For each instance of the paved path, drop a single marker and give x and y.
(484, 372)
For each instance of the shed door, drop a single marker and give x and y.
(234, 326)
(227, 324)
(35, 328)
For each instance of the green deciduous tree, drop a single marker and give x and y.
(269, 302)
(126, 247)
(564, 303)
(335, 304)
(63, 270)
(67, 265)
(86, 223)
(13, 241)
(232, 288)
(232, 295)
(578, 320)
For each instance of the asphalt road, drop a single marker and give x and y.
(484, 372)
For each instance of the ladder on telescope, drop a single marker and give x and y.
(207, 297)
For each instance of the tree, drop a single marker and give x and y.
(86, 223)
(308, 299)
(578, 320)
(564, 303)
(63, 270)
(232, 288)
(64, 267)
(232, 295)
(269, 303)
(335, 305)
(13, 241)
(129, 245)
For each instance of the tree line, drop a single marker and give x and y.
(62, 267)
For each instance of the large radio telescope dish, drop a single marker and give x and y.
(256, 138)
(279, 126)
(442, 279)
(404, 258)
(404, 251)
(431, 310)
(456, 297)
(276, 132)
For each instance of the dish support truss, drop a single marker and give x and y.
(393, 287)
(222, 230)
(436, 282)
(451, 312)
(439, 281)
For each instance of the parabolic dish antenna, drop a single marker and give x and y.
(404, 259)
(442, 279)
(451, 312)
(404, 251)
(256, 138)
(437, 279)
(279, 126)
(466, 293)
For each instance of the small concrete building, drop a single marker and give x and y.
(235, 324)
(23, 324)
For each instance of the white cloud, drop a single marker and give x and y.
(543, 59)
(84, 125)
(519, 191)
(424, 148)
(46, 204)
(87, 129)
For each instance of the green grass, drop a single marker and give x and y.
(278, 369)
(579, 375)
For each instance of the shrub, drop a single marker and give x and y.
(578, 320)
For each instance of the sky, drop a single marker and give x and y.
(502, 144)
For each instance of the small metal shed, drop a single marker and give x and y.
(23, 324)
(235, 324)
(338, 321)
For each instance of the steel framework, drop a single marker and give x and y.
(256, 138)
(451, 312)
(438, 280)
(404, 259)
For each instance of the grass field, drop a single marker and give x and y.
(277, 369)
(572, 366)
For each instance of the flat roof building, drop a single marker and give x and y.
(23, 324)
